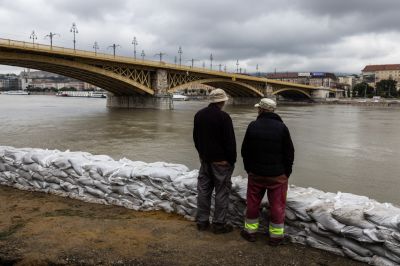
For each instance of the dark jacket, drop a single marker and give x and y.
(213, 135)
(267, 148)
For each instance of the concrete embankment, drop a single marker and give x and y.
(341, 223)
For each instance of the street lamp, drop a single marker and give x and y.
(134, 42)
(160, 54)
(211, 59)
(180, 55)
(114, 47)
(257, 73)
(142, 55)
(51, 35)
(95, 47)
(192, 60)
(237, 66)
(33, 37)
(74, 30)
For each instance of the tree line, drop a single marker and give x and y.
(385, 88)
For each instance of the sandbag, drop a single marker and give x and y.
(349, 253)
(322, 215)
(387, 216)
(356, 233)
(352, 217)
(353, 246)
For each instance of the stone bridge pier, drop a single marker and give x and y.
(160, 100)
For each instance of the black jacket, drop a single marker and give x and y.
(267, 148)
(213, 135)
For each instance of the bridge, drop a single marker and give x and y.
(137, 83)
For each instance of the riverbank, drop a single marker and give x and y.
(42, 229)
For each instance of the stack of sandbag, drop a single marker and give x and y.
(341, 223)
(345, 224)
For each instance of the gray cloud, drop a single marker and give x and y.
(300, 35)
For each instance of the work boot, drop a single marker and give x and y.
(274, 242)
(222, 228)
(203, 226)
(251, 237)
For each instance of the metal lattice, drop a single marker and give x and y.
(177, 79)
(140, 76)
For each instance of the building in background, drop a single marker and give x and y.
(9, 82)
(317, 79)
(372, 74)
(46, 80)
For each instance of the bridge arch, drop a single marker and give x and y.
(232, 87)
(108, 80)
(279, 91)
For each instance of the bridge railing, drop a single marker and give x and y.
(96, 55)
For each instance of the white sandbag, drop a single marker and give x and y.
(383, 252)
(95, 192)
(356, 233)
(349, 253)
(352, 217)
(353, 245)
(316, 244)
(380, 261)
(61, 163)
(322, 214)
(378, 234)
(384, 215)
(393, 247)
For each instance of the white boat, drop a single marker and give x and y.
(16, 92)
(98, 94)
(179, 97)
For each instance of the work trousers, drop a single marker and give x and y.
(276, 188)
(213, 176)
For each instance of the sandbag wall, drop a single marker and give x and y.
(342, 223)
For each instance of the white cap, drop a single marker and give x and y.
(218, 95)
(267, 104)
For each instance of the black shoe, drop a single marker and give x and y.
(203, 226)
(222, 228)
(248, 236)
(274, 242)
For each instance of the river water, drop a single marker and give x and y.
(338, 148)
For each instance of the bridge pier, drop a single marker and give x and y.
(243, 100)
(160, 100)
(145, 102)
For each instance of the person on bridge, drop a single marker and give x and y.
(214, 139)
(268, 156)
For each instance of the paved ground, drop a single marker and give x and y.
(41, 229)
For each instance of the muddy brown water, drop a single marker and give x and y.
(338, 147)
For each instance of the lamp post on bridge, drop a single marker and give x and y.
(175, 60)
(192, 60)
(237, 66)
(142, 55)
(220, 67)
(74, 30)
(211, 60)
(180, 55)
(51, 35)
(114, 47)
(257, 73)
(225, 68)
(95, 47)
(33, 37)
(204, 64)
(135, 43)
(160, 54)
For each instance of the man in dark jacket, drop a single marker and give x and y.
(215, 142)
(268, 155)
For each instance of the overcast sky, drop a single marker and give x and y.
(296, 35)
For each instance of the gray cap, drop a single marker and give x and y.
(218, 95)
(267, 104)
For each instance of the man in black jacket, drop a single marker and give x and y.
(215, 142)
(268, 155)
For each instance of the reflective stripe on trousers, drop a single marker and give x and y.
(251, 225)
(276, 230)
